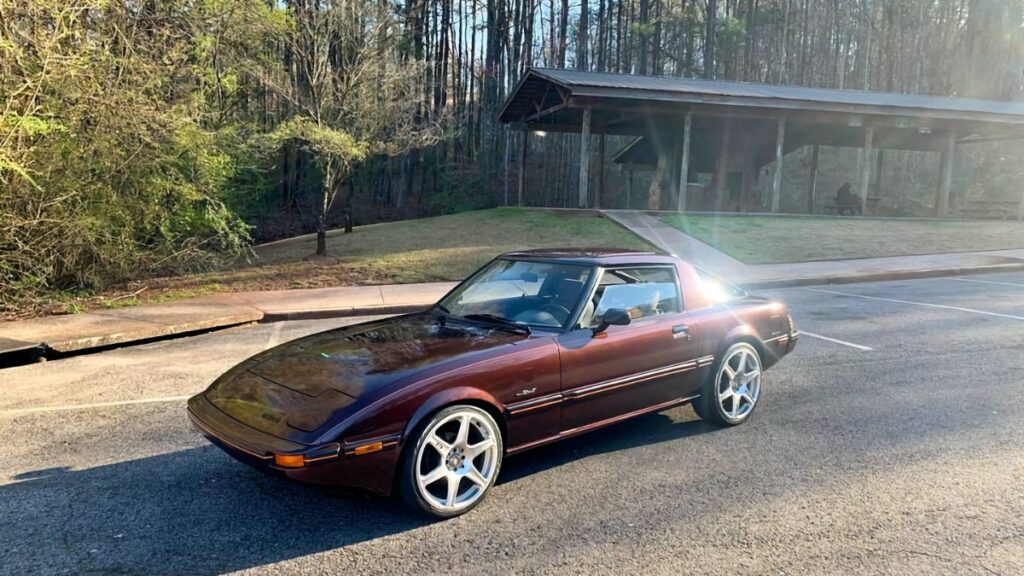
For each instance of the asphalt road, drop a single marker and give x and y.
(895, 447)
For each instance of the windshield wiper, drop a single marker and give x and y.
(504, 322)
(442, 318)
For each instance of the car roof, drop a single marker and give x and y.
(592, 256)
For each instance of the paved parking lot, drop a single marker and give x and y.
(888, 442)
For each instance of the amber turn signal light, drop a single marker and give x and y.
(368, 448)
(289, 460)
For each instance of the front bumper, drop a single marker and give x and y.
(793, 337)
(325, 464)
(777, 347)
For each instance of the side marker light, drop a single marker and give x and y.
(289, 460)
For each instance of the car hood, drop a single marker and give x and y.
(296, 388)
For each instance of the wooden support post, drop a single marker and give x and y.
(684, 162)
(879, 165)
(749, 177)
(672, 171)
(522, 166)
(780, 137)
(721, 179)
(812, 188)
(585, 159)
(865, 168)
(629, 187)
(600, 171)
(946, 176)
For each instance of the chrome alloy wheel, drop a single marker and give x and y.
(457, 459)
(739, 383)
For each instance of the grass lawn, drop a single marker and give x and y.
(445, 247)
(764, 240)
(427, 250)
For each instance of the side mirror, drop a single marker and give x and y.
(612, 317)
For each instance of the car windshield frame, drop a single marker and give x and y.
(443, 305)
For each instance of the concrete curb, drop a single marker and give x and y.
(879, 276)
(72, 333)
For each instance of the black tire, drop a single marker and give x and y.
(408, 483)
(708, 407)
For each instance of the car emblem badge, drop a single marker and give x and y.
(527, 391)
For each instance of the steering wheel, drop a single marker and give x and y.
(561, 313)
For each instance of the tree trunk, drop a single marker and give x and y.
(325, 205)
(321, 239)
(563, 32)
(654, 194)
(711, 20)
(645, 12)
(581, 48)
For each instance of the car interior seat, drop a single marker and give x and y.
(587, 317)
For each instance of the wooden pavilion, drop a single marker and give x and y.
(684, 126)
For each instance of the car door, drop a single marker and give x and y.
(625, 369)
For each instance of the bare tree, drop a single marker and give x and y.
(352, 93)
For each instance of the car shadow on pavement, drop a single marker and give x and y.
(641, 431)
(194, 511)
(197, 511)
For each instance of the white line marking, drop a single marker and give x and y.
(942, 306)
(986, 281)
(843, 342)
(17, 411)
(275, 333)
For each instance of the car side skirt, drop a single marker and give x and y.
(601, 424)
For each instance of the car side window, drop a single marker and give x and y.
(642, 292)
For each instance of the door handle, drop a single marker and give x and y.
(681, 331)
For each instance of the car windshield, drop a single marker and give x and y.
(528, 293)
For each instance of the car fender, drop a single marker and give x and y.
(744, 332)
(747, 333)
(451, 396)
(740, 332)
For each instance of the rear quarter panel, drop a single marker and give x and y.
(721, 324)
(757, 320)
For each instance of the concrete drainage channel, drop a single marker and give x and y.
(43, 352)
(16, 353)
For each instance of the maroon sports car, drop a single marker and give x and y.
(534, 347)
